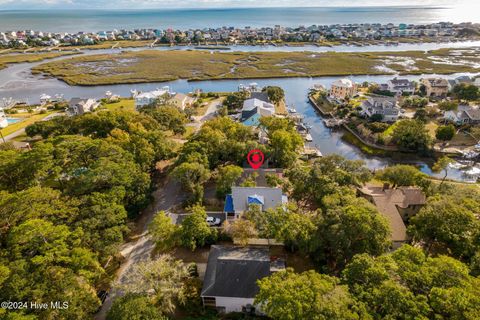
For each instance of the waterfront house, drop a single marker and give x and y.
(262, 96)
(343, 88)
(242, 198)
(78, 106)
(465, 114)
(181, 101)
(147, 98)
(381, 105)
(230, 282)
(459, 80)
(254, 109)
(435, 87)
(397, 205)
(400, 86)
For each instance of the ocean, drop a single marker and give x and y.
(97, 20)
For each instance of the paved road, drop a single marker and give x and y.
(165, 197)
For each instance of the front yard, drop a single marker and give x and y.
(26, 119)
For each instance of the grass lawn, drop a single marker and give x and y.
(189, 131)
(24, 123)
(462, 139)
(431, 126)
(281, 108)
(204, 106)
(123, 104)
(156, 66)
(326, 106)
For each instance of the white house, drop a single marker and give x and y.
(147, 98)
(400, 86)
(382, 105)
(254, 109)
(251, 104)
(78, 106)
(230, 282)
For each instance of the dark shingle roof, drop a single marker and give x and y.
(260, 96)
(234, 271)
(246, 114)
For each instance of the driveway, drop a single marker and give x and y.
(213, 107)
(177, 218)
(165, 197)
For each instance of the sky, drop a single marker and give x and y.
(160, 4)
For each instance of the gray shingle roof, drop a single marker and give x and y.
(234, 271)
(272, 196)
(260, 96)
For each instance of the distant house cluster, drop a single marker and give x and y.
(313, 33)
(385, 105)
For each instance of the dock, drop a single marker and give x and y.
(333, 122)
(311, 153)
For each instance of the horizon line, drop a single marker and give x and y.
(223, 8)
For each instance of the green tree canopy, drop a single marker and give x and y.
(325, 176)
(275, 94)
(411, 135)
(195, 231)
(286, 295)
(348, 226)
(449, 223)
(402, 175)
(163, 231)
(162, 279)
(226, 176)
(447, 105)
(465, 91)
(134, 307)
(406, 285)
(445, 133)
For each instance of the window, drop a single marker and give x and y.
(209, 302)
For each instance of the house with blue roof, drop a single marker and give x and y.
(242, 198)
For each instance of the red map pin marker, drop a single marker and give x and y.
(255, 158)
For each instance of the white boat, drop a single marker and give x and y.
(308, 137)
(292, 110)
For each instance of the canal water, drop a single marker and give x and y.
(17, 81)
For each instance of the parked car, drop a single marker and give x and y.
(213, 221)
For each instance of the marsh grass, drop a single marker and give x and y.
(158, 66)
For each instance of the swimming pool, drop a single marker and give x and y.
(13, 120)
